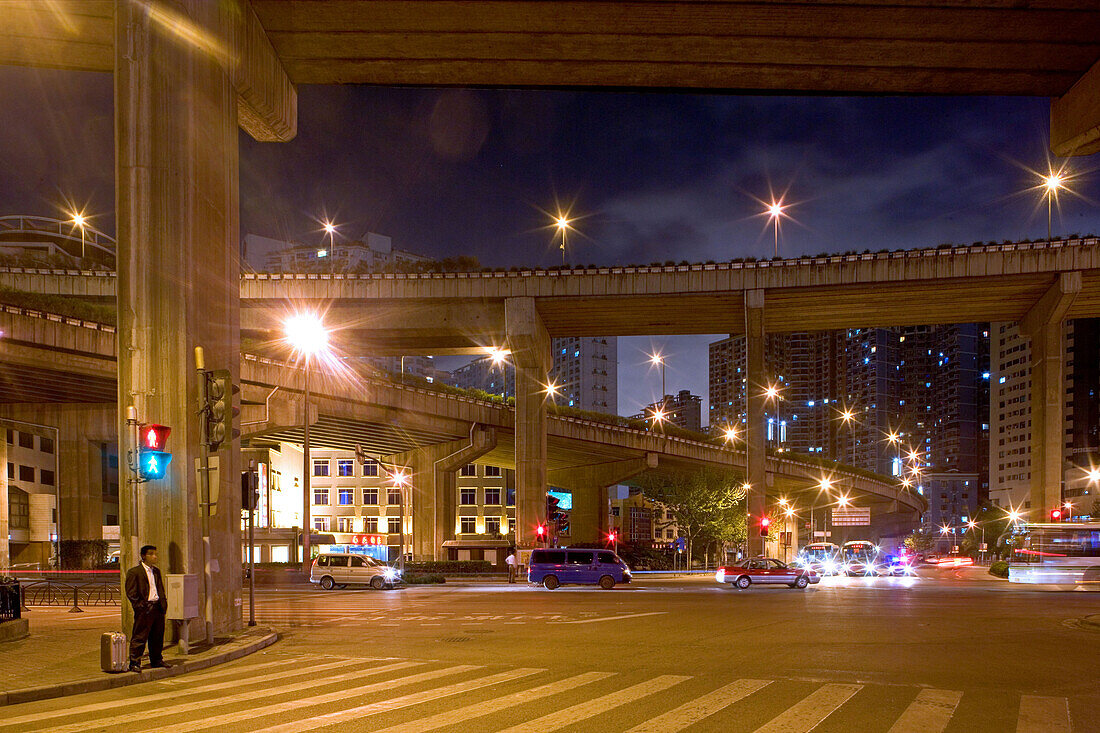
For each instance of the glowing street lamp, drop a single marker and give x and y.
(657, 360)
(774, 211)
(306, 334)
(1051, 184)
(80, 221)
(400, 480)
(562, 223)
(730, 434)
(773, 394)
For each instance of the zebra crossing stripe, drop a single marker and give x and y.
(298, 703)
(382, 706)
(930, 712)
(1043, 715)
(159, 696)
(477, 710)
(582, 711)
(701, 707)
(814, 708)
(230, 670)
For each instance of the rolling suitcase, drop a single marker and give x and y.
(114, 653)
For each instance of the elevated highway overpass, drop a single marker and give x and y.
(1037, 284)
(187, 75)
(45, 359)
(464, 311)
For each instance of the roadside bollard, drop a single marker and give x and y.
(75, 608)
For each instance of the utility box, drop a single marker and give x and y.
(183, 596)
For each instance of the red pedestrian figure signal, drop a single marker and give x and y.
(1056, 515)
(154, 437)
(764, 524)
(153, 458)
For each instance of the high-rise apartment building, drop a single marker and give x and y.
(494, 377)
(1010, 414)
(585, 373)
(841, 394)
(683, 409)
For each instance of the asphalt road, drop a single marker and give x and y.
(949, 650)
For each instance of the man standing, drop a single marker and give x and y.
(510, 561)
(145, 591)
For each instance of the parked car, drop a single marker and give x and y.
(552, 568)
(765, 571)
(342, 569)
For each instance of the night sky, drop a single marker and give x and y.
(647, 177)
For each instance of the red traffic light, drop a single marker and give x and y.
(153, 437)
(1055, 515)
(764, 524)
(540, 530)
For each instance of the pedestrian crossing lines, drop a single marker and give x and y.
(274, 694)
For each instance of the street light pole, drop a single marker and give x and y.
(307, 527)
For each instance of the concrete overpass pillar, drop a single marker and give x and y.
(530, 346)
(1043, 324)
(756, 458)
(176, 120)
(5, 548)
(79, 430)
(589, 484)
(432, 471)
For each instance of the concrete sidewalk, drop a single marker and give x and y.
(61, 655)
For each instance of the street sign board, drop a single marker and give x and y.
(851, 516)
(823, 535)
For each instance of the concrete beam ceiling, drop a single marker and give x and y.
(1046, 48)
(908, 47)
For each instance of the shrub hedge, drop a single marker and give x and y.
(450, 567)
(999, 568)
(424, 578)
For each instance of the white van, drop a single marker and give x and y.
(333, 569)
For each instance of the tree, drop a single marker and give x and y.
(703, 503)
(919, 542)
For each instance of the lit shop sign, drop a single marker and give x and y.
(367, 540)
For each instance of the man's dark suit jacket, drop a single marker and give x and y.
(137, 587)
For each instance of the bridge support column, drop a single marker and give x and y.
(434, 487)
(80, 430)
(756, 458)
(530, 346)
(1043, 324)
(5, 548)
(589, 484)
(176, 120)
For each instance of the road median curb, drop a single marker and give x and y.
(247, 643)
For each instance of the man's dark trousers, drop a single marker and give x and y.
(148, 627)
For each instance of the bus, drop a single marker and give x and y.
(820, 557)
(859, 557)
(1062, 553)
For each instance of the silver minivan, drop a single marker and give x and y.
(332, 569)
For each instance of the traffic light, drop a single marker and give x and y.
(540, 532)
(764, 524)
(250, 491)
(153, 456)
(218, 409)
(612, 536)
(1056, 515)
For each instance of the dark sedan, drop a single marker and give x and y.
(765, 571)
